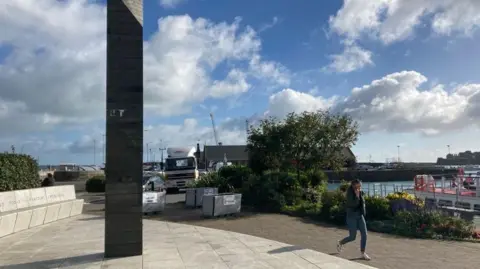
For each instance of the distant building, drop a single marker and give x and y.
(236, 154)
(462, 158)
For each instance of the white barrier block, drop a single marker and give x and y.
(38, 216)
(23, 220)
(77, 207)
(69, 192)
(54, 194)
(7, 224)
(65, 209)
(8, 201)
(52, 213)
(37, 197)
(22, 198)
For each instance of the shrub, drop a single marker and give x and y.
(95, 184)
(260, 195)
(316, 178)
(305, 208)
(378, 208)
(285, 184)
(17, 172)
(400, 195)
(333, 207)
(213, 180)
(273, 191)
(344, 185)
(235, 175)
(431, 224)
(381, 226)
(404, 201)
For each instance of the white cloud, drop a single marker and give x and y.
(394, 103)
(352, 58)
(395, 20)
(266, 26)
(391, 21)
(170, 3)
(55, 72)
(288, 100)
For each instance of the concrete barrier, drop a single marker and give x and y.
(24, 209)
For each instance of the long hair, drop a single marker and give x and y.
(355, 182)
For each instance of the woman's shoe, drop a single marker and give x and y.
(339, 247)
(365, 256)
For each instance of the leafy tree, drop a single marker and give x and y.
(310, 140)
(265, 145)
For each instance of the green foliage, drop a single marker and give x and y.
(17, 172)
(431, 224)
(236, 175)
(378, 208)
(272, 191)
(214, 180)
(316, 178)
(95, 184)
(344, 185)
(306, 141)
(333, 203)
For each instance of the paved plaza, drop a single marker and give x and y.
(77, 243)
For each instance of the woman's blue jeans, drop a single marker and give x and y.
(356, 221)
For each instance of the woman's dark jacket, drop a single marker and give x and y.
(355, 205)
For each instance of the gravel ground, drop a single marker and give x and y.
(387, 252)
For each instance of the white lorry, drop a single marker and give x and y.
(180, 168)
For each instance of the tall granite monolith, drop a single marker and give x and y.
(124, 129)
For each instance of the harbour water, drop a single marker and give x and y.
(381, 189)
(384, 188)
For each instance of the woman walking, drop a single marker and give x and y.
(355, 217)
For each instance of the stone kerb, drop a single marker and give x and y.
(24, 209)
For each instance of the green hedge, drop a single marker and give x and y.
(95, 184)
(17, 172)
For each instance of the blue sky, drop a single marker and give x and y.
(416, 73)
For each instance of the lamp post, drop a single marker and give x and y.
(103, 149)
(162, 148)
(146, 151)
(94, 151)
(148, 143)
(398, 153)
(448, 147)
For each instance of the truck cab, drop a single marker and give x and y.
(180, 168)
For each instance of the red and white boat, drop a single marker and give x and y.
(460, 192)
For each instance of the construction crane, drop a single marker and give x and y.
(214, 130)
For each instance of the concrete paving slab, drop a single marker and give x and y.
(77, 243)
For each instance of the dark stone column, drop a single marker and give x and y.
(124, 134)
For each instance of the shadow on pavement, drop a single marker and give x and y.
(92, 218)
(285, 249)
(58, 263)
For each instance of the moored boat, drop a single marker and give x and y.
(460, 192)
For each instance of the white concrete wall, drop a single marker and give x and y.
(24, 209)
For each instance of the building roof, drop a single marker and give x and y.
(233, 152)
(348, 154)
